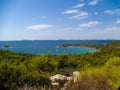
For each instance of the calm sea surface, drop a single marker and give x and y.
(49, 46)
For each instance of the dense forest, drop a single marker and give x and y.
(99, 70)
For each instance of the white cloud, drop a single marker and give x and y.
(96, 13)
(81, 0)
(81, 15)
(77, 14)
(107, 30)
(79, 5)
(89, 24)
(107, 33)
(109, 12)
(118, 21)
(93, 2)
(116, 11)
(112, 29)
(71, 11)
(40, 26)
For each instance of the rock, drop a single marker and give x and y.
(58, 81)
(76, 76)
(69, 78)
(58, 77)
(55, 85)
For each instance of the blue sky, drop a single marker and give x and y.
(59, 19)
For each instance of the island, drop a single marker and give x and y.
(6, 46)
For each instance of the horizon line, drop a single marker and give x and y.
(59, 39)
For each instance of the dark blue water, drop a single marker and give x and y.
(49, 46)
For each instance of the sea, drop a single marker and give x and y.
(40, 47)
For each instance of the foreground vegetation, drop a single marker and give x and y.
(99, 70)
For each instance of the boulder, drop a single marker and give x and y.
(76, 76)
(58, 81)
(58, 78)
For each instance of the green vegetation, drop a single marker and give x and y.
(99, 70)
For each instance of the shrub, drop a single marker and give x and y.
(92, 79)
(113, 71)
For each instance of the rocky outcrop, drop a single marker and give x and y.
(76, 76)
(59, 81)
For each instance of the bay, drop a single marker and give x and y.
(49, 46)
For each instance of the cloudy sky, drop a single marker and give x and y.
(59, 19)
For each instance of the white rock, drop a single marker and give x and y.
(55, 84)
(76, 73)
(58, 77)
(58, 81)
(69, 78)
(76, 76)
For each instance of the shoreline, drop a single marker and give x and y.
(90, 46)
(84, 47)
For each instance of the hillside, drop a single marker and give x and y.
(99, 70)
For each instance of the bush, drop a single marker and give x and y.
(92, 79)
(113, 71)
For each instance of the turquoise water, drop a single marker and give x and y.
(49, 46)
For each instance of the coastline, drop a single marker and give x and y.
(94, 46)
(86, 47)
(53, 47)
